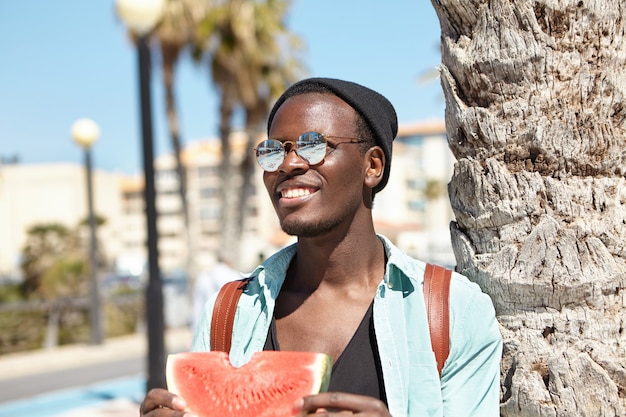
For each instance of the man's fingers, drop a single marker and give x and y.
(343, 402)
(159, 398)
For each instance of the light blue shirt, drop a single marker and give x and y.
(470, 380)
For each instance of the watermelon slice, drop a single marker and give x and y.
(268, 385)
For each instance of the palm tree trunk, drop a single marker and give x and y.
(229, 179)
(169, 55)
(255, 117)
(535, 116)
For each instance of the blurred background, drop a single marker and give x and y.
(125, 149)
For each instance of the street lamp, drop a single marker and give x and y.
(85, 132)
(141, 16)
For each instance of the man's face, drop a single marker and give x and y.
(314, 200)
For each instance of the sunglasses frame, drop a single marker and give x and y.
(294, 146)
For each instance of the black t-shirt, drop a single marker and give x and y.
(357, 370)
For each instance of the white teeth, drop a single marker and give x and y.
(295, 192)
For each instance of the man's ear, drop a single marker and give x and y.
(375, 159)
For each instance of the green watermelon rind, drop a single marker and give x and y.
(320, 368)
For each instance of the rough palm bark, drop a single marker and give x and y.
(536, 117)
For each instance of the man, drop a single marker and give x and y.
(344, 290)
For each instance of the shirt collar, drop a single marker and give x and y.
(400, 266)
(272, 272)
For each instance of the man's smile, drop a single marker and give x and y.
(296, 192)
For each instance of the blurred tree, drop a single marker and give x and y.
(54, 261)
(175, 33)
(65, 278)
(536, 119)
(252, 59)
(45, 245)
(434, 189)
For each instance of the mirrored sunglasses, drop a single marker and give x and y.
(310, 146)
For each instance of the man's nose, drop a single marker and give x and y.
(292, 160)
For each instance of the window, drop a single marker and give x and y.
(417, 205)
(412, 140)
(214, 212)
(208, 171)
(209, 192)
(416, 183)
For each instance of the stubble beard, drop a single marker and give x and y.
(309, 229)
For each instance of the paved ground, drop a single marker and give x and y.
(113, 408)
(117, 393)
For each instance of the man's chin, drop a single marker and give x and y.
(300, 229)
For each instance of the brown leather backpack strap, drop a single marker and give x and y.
(224, 314)
(436, 295)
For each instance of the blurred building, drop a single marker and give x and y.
(413, 210)
(54, 193)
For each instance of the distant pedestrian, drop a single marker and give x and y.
(208, 283)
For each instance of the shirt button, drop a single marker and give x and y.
(389, 285)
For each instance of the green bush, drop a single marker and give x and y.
(123, 315)
(10, 293)
(24, 326)
(21, 330)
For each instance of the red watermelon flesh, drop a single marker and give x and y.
(268, 385)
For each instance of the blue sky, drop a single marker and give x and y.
(66, 59)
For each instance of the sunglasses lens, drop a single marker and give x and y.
(270, 154)
(311, 146)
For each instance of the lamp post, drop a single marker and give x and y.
(85, 132)
(141, 16)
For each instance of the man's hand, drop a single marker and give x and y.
(162, 403)
(340, 404)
